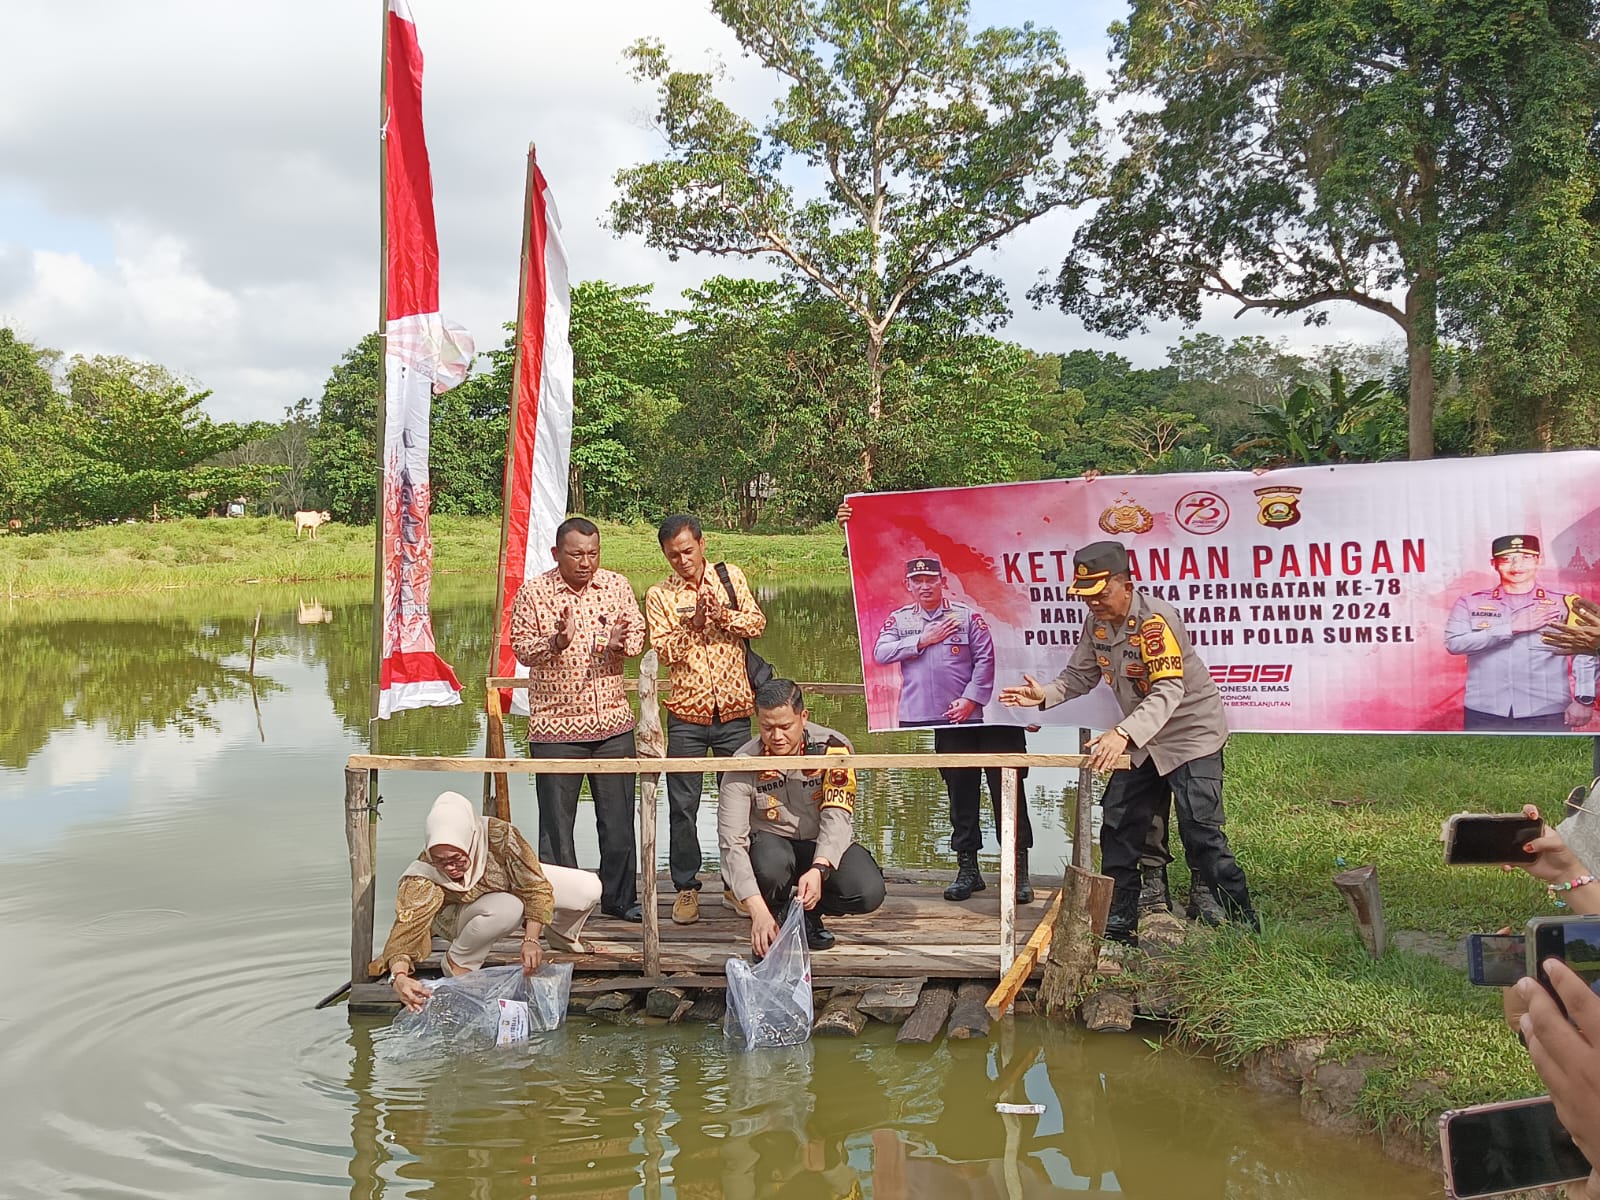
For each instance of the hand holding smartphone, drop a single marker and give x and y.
(1495, 959)
(1488, 839)
(1574, 940)
(1514, 1146)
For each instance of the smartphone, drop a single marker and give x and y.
(1491, 1149)
(1483, 839)
(1574, 940)
(1495, 959)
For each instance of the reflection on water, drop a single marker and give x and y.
(175, 894)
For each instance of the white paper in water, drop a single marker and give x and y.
(513, 1023)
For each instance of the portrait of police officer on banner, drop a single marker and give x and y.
(1515, 681)
(944, 650)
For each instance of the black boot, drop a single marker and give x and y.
(1024, 881)
(1203, 904)
(1122, 925)
(1236, 904)
(1153, 893)
(817, 937)
(967, 879)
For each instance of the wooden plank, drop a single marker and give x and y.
(968, 1016)
(842, 1015)
(1359, 885)
(651, 745)
(1008, 869)
(927, 1019)
(633, 766)
(1011, 982)
(892, 1002)
(358, 819)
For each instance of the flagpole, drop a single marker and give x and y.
(496, 788)
(383, 390)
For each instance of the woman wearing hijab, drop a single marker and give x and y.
(475, 881)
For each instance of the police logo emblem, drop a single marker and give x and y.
(955, 648)
(1201, 512)
(1100, 632)
(1126, 516)
(1279, 506)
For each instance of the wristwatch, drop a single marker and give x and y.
(1122, 733)
(823, 869)
(1586, 701)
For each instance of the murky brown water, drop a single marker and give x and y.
(175, 892)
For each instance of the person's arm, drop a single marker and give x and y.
(1461, 638)
(734, 799)
(417, 902)
(530, 641)
(633, 644)
(893, 646)
(672, 641)
(980, 689)
(1079, 677)
(746, 621)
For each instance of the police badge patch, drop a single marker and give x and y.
(1279, 506)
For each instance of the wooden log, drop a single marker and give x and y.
(709, 1007)
(616, 1007)
(1073, 947)
(841, 1016)
(664, 1001)
(1011, 982)
(1108, 1011)
(1008, 869)
(927, 1019)
(969, 1016)
(1359, 885)
(685, 1007)
(892, 1002)
(496, 784)
(359, 817)
(651, 745)
(634, 766)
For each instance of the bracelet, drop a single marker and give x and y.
(1580, 881)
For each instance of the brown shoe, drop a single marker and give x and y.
(734, 902)
(686, 908)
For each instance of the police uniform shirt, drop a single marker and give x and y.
(799, 805)
(935, 677)
(1171, 709)
(1513, 674)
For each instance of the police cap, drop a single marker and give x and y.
(1514, 543)
(1094, 564)
(926, 565)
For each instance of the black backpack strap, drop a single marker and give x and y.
(722, 574)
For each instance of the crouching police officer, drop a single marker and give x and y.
(781, 831)
(1173, 730)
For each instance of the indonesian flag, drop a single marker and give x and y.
(422, 355)
(539, 441)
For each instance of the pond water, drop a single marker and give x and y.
(174, 886)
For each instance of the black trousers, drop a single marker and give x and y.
(1479, 722)
(964, 785)
(856, 885)
(1133, 797)
(685, 739)
(615, 807)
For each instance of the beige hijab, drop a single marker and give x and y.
(452, 822)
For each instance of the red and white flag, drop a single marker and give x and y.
(422, 355)
(539, 442)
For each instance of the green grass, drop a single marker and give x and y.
(196, 553)
(1443, 1041)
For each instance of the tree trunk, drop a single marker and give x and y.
(874, 403)
(1420, 327)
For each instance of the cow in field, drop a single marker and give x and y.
(311, 521)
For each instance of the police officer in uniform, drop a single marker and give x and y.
(946, 657)
(781, 831)
(1173, 730)
(1515, 681)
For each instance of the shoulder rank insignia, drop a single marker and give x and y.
(839, 783)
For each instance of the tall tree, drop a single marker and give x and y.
(930, 143)
(1301, 153)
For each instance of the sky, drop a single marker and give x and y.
(195, 183)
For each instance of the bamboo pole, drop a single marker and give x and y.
(496, 784)
(753, 762)
(359, 818)
(651, 744)
(1008, 868)
(379, 431)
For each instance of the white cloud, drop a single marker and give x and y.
(217, 163)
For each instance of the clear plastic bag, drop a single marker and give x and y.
(490, 1007)
(769, 1004)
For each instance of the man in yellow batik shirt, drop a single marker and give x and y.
(700, 618)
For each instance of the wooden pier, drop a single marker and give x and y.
(880, 963)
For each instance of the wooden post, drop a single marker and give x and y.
(1074, 951)
(254, 634)
(650, 744)
(1360, 888)
(496, 784)
(1083, 823)
(358, 814)
(1008, 868)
